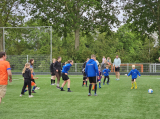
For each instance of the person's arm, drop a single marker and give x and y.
(51, 68)
(9, 75)
(96, 68)
(54, 66)
(119, 62)
(86, 69)
(129, 73)
(138, 73)
(113, 62)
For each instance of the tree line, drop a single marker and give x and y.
(81, 28)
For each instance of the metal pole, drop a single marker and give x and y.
(3, 40)
(51, 45)
(27, 58)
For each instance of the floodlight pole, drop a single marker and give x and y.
(51, 45)
(3, 40)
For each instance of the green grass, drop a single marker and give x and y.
(114, 101)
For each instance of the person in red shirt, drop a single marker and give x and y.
(5, 72)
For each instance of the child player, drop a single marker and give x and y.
(65, 75)
(100, 76)
(53, 76)
(27, 79)
(134, 72)
(106, 74)
(83, 72)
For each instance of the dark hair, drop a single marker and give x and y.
(59, 57)
(30, 61)
(69, 61)
(2, 54)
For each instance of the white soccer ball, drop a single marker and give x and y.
(150, 91)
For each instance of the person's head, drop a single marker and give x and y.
(133, 66)
(107, 66)
(27, 65)
(31, 61)
(93, 57)
(31, 69)
(108, 58)
(70, 61)
(3, 55)
(117, 56)
(54, 60)
(103, 56)
(59, 59)
(87, 60)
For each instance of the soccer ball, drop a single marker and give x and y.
(150, 91)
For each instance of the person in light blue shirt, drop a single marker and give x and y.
(117, 63)
(134, 72)
(65, 77)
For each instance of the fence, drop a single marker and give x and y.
(42, 64)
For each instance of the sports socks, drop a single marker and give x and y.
(33, 88)
(135, 84)
(95, 88)
(68, 89)
(86, 83)
(132, 85)
(99, 84)
(51, 81)
(90, 86)
(83, 83)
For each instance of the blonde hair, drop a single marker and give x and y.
(26, 65)
(31, 69)
(133, 66)
(93, 56)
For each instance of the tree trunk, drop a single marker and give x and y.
(1, 40)
(77, 39)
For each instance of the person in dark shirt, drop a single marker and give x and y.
(52, 72)
(83, 72)
(27, 79)
(57, 67)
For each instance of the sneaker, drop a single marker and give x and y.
(70, 91)
(20, 95)
(132, 87)
(30, 96)
(62, 90)
(117, 79)
(37, 88)
(58, 87)
(89, 94)
(99, 86)
(95, 94)
(33, 92)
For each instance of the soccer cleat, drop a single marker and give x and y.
(33, 92)
(37, 88)
(70, 91)
(132, 87)
(30, 96)
(95, 94)
(89, 94)
(62, 90)
(99, 86)
(135, 87)
(58, 87)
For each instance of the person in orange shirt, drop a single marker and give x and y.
(5, 72)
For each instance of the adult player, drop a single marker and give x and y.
(92, 73)
(83, 72)
(5, 72)
(117, 63)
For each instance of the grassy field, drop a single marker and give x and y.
(114, 101)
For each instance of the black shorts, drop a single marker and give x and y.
(84, 77)
(33, 80)
(132, 79)
(93, 79)
(65, 77)
(53, 74)
(117, 69)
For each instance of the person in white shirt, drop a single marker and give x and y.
(117, 63)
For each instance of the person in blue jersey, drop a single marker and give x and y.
(65, 75)
(92, 73)
(106, 74)
(134, 72)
